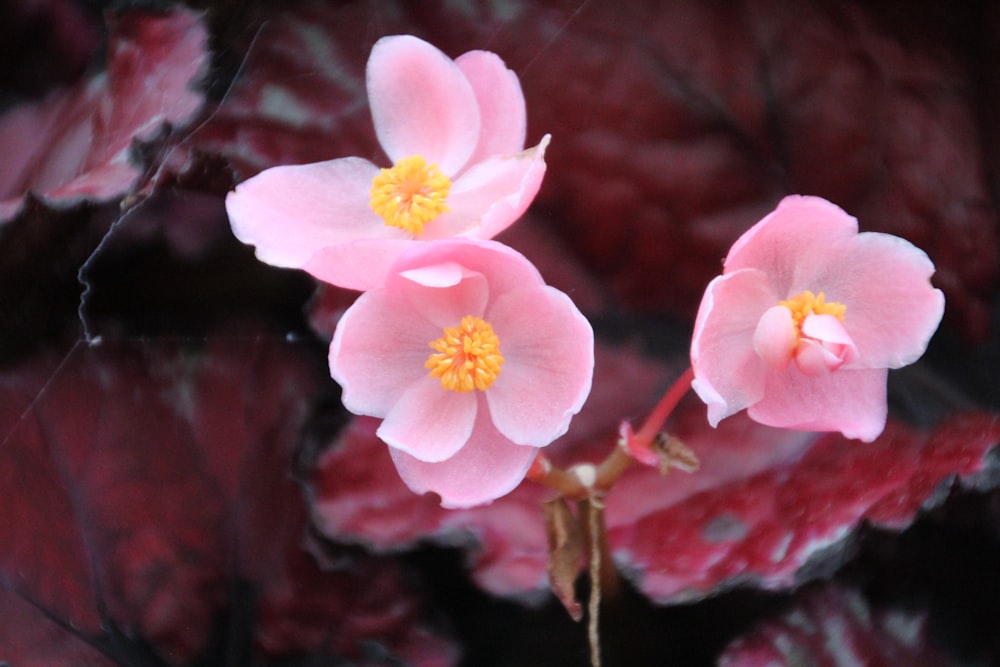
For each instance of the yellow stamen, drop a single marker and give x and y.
(806, 303)
(411, 194)
(468, 356)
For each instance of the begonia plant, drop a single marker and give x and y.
(454, 131)
(165, 404)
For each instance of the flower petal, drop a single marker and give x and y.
(792, 243)
(429, 422)
(358, 265)
(421, 103)
(892, 308)
(444, 306)
(548, 364)
(378, 351)
(486, 468)
(825, 346)
(491, 195)
(850, 401)
(504, 268)
(290, 212)
(775, 337)
(729, 375)
(501, 104)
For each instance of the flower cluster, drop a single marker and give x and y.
(457, 344)
(473, 363)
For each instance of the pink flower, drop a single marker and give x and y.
(806, 319)
(454, 130)
(472, 362)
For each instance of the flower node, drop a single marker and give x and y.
(410, 194)
(806, 303)
(468, 356)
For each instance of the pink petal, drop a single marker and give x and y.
(421, 103)
(850, 401)
(445, 274)
(491, 195)
(503, 267)
(792, 243)
(378, 351)
(825, 346)
(358, 265)
(429, 422)
(443, 306)
(290, 212)
(892, 308)
(813, 358)
(488, 467)
(729, 375)
(775, 337)
(501, 104)
(548, 364)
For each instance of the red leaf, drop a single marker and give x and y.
(766, 503)
(145, 483)
(76, 144)
(837, 627)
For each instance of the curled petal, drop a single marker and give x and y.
(548, 347)
(492, 195)
(503, 267)
(422, 103)
(825, 346)
(429, 422)
(501, 104)
(488, 467)
(814, 358)
(775, 337)
(290, 212)
(443, 306)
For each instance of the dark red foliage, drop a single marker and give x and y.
(78, 144)
(144, 505)
(44, 43)
(832, 627)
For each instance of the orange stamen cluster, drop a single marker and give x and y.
(806, 303)
(468, 356)
(410, 194)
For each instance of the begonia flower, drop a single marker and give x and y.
(472, 362)
(806, 319)
(454, 131)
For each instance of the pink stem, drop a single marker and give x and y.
(658, 417)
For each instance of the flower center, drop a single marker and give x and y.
(806, 303)
(410, 194)
(468, 356)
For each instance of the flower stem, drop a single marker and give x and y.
(658, 417)
(607, 473)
